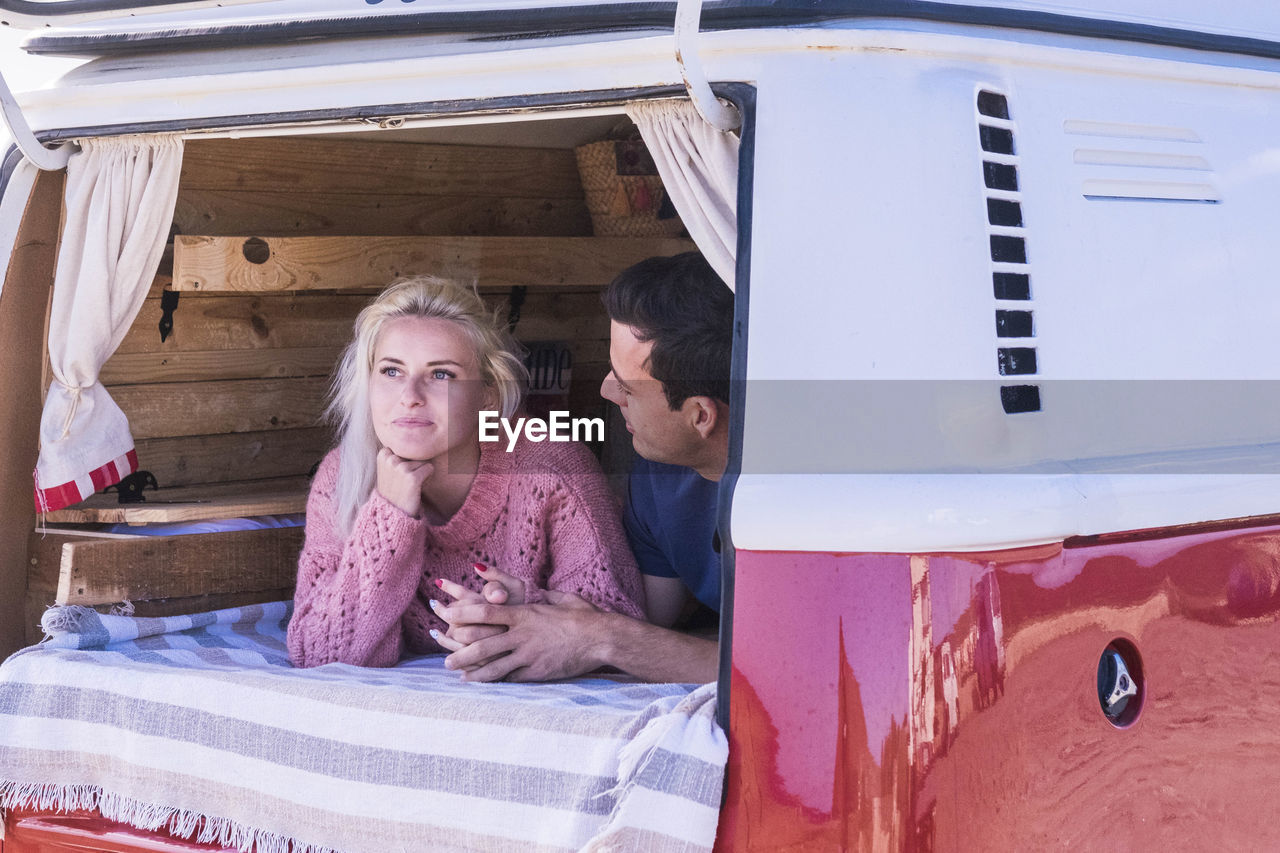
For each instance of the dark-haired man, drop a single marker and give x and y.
(670, 339)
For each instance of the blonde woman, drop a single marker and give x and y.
(411, 502)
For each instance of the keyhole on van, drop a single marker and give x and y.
(256, 250)
(1120, 683)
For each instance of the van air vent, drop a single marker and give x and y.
(1011, 279)
(1137, 162)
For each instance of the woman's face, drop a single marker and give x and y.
(426, 391)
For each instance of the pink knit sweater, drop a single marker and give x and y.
(542, 513)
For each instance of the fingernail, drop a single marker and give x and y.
(440, 583)
(435, 605)
(435, 635)
(479, 567)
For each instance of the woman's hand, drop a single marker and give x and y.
(400, 481)
(500, 588)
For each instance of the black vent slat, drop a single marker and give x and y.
(993, 105)
(997, 140)
(1012, 285)
(1000, 176)
(1001, 212)
(1016, 361)
(1008, 250)
(1013, 324)
(1020, 398)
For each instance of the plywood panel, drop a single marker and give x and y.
(293, 164)
(103, 571)
(207, 408)
(146, 367)
(318, 263)
(205, 459)
(281, 213)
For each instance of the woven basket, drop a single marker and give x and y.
(624, 194)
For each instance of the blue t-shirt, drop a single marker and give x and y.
(671, 524)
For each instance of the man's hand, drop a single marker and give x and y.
(541, 642)
(563, 638)
(400, 481)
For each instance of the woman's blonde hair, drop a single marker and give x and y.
(425, 297)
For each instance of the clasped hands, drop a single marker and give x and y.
(494, 635)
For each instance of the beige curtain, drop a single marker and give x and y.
(699, 169)
(119, 204)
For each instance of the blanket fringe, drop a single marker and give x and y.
(180, 822)
(65, 619)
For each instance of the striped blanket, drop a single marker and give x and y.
(198, 724)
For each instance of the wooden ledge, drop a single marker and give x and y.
(205, 264)
(204, 503)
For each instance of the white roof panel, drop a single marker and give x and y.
(104, 26)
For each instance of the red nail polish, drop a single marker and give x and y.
(479, 567)
(439, 583)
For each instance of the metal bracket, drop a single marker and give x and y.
(130, 488)
(44, 158)
(168, 304)
(514, 303)
(715, 112)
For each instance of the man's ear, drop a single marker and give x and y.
(703, 414)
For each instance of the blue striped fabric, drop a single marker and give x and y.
(198, 724)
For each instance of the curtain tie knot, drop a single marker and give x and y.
(75, 391)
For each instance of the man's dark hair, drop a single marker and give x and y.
(683, 307)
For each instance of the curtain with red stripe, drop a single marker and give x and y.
(119, 199)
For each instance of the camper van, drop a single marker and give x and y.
(1000, 532)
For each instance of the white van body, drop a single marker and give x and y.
(880, 312)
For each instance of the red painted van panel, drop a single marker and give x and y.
(32, 831)
(948, 702)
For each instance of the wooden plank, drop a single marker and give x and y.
(295, 164)
(570, 317)
(214, 601)
(46, 548)
(219, 324)
(105, 571)
(146, 367)
(45, 553)
(284, 213)
(168, 409)
(191, 503)
(287, 321)
(327, 263)
(207, 459)
(159, 284)
(58, 530)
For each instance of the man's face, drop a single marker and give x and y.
(657, 432)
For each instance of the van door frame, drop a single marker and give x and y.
(741, 95)
(30, 212)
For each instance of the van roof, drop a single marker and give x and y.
(99, 27)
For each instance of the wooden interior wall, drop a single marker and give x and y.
(235, 392)
(23, 303)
